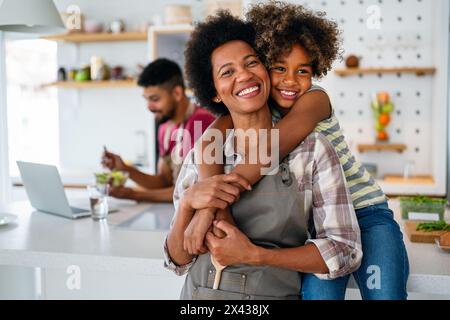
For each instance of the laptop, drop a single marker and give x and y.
(45, 190)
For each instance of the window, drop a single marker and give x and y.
(33, 133)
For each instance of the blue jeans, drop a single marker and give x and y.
(384, 268)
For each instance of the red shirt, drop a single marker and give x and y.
(189, 135)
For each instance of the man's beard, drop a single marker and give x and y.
(169, 115)
(163, 119)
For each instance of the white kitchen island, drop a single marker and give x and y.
(111, 261)
(114, 259)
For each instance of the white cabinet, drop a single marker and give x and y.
(110, 285)
(169, 41)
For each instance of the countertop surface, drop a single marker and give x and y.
(429, 266)
(39, 239)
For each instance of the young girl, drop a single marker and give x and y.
(297, 45)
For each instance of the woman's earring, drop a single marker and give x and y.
(217, 100)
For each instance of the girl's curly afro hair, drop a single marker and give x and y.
(215, 31)
(280, 25)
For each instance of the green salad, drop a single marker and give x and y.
(116, 178)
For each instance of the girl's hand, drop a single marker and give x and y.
(216, 192)
(201, 223)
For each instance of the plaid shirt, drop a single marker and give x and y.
(322, 184)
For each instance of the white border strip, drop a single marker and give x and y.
(5, 181)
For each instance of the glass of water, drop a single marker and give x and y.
(98, 198)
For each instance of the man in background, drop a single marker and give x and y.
(164, 90)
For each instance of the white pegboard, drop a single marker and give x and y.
(402, 35)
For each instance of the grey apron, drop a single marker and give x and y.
(272, 216)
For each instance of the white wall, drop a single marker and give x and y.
(131, 11)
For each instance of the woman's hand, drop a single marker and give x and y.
(215, 192)
(234, 248)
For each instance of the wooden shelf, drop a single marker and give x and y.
(412, 180)
(93, 84)
(356, 71)
(99, 37)
(381, 147)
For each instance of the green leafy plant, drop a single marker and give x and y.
(422, 204)
(433, 226)
(424, 200)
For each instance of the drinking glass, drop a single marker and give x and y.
(98, 198)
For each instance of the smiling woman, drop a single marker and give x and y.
(238, 82)
(200, 72)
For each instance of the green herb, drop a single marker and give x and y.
(423, 200)
(433, 226)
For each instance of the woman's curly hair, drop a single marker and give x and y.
(215, 31)
(280, 25)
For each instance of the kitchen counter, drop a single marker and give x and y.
(429, 266)
(47, 241)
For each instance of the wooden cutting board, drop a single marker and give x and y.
(420, 236)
